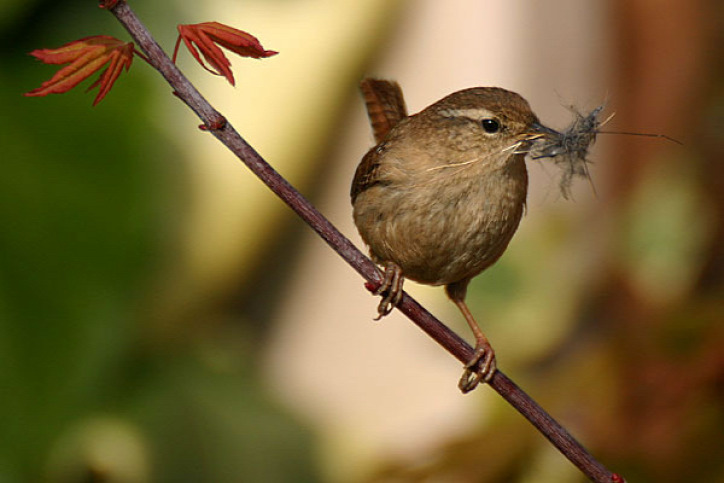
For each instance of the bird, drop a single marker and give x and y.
(438, 199)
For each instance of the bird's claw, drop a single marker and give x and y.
(391, 289)
(480, 368)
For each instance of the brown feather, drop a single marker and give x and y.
(385, 105)
(366, 174)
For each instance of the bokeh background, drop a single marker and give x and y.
(164, 318)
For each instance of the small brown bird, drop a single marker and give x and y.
(438, 199)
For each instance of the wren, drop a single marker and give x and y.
(440, 196)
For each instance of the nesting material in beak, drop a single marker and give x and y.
(569, 148)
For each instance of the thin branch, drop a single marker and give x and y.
(215, 123)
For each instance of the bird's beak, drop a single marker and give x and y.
(546, 142)
(540, 131)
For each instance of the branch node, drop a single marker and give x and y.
(372, 286)
(214, 124)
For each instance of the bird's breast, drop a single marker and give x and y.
(445, 228)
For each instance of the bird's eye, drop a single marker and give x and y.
(490, 126)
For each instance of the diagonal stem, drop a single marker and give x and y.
(215, 123)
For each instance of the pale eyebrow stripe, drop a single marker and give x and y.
(471, 113)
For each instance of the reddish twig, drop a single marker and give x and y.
(217, 125)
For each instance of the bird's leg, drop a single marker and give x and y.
(481, 366)
(391, 289)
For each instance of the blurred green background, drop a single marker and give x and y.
(164, 318)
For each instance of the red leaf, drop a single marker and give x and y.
(206, 35)
(108, 4)
(86, 57)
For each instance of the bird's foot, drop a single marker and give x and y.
(480, 368)
(391, 290)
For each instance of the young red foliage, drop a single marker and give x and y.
(107, 4)
(86, 57)
(206, 35)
